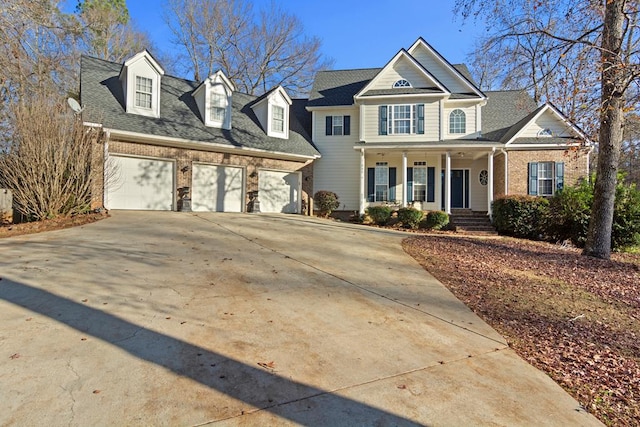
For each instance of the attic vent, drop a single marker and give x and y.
(402, 83)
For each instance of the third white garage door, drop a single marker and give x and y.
(279, 191)
(217, 188)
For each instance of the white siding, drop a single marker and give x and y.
(439, 70)
(261, 111)
(431, 123)
(402, 69)
(338, 169)
(547, 120)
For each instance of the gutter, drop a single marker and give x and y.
(127, 136)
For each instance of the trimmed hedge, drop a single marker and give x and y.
(521, 216)
(436, 220)
(379, 214)
(626, 216)
(569, 214)
(410, 217)
(325, 202)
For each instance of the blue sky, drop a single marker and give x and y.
(355, 33)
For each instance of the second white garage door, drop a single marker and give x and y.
(217, 188)
(279, 191)
(139, 183)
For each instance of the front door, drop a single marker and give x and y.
(459, 188)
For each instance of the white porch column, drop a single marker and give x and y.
(404, 179)
(447, 183)
(362, 183)
(490, 182)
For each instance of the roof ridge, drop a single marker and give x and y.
(351, 69)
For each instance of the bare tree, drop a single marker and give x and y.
(602, 33)
(107, 32)
(48, 166)
(257, 51)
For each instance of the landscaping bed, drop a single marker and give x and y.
(10, 230)
(576, 318)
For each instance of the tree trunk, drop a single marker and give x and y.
(614, 76)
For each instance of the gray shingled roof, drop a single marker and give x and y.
(557, 140)
(101, 96)
(338, 87)
(505, 109)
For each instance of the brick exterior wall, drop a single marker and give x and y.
(575, 167)
(498, 175)
(185, 157)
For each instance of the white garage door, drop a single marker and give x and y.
(217, 188)
(138, 183)
(278, 191)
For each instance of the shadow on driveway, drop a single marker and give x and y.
(254, 386)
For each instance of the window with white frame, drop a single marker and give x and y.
(382, 182)
(545, 178)
(545, 132)
(457, 121)
(419, 181)
(277, 119)
(218, 107)
(401, 119)
(337, 125)
(144, 87)
(402, 83)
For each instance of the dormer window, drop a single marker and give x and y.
(141, 81)
(401, 83)
(144, 92)
(218, 109)
(213, 98)
(277, 119)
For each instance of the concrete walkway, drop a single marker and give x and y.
(238, 319)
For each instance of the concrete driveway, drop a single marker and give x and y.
(239, 319)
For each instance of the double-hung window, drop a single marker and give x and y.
(218, 107)
(545, 178)
(419, 181)
(382, 182)
(401, 119)
(144, 87)
(277, 119)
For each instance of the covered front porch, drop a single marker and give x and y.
(427, 177)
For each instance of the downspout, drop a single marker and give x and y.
(506, 171)
(591, 148)
(105, 167)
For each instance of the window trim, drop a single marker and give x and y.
(221, 106)
(402, 83)
(457, 122)
(419, 166)
(388, 120)
(335, 126)
(277, 122)
(138, 90)
(385, 191)
(545, 133)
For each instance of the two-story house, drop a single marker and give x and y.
(167, 140)
(416, 132)
(419, 132)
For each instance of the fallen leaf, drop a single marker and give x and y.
(402, 387)
(96, 391)
(85, 300)
(267, 365)
(15, 356)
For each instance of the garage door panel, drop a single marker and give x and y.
(137, 183)
(217, 188)
(278, 191)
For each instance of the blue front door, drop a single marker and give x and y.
(459, 188)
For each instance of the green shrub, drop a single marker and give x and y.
(379, 214)
(521, 216)
(325, 202)
(569, 214)
(410, 217)
(626, 217)
(436, 220)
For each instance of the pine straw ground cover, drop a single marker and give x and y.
(9, 230)
(576, 318)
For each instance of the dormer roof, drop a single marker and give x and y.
(137, 57)
(218, 76)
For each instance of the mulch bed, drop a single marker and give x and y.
(10, 230)
(576, 318)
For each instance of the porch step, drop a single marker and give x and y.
(472, 221)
